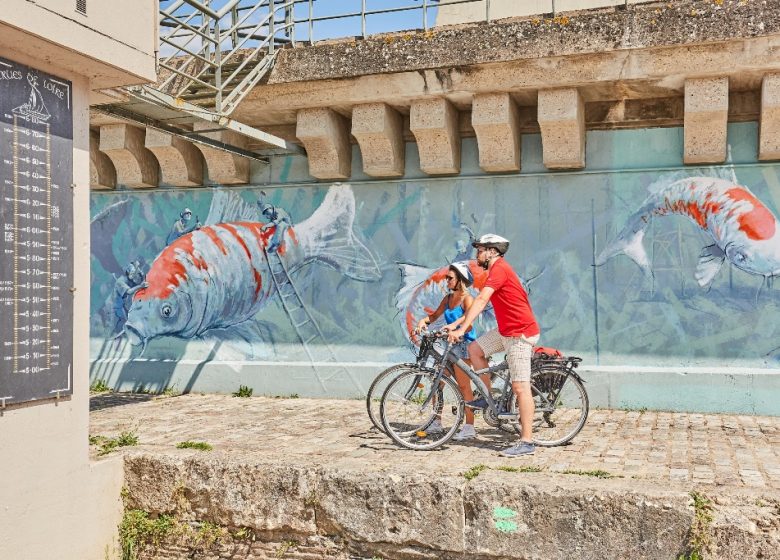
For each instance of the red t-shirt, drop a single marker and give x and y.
(510, 302)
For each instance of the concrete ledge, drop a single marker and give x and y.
(325, 135)
(769, 135)
(181, 163)
(223, 167)
(136, 167)
(562, 122)
(402, 514)
(102, 175)
(495, 119)
(706, 120)
(434, 123)
(379, 129)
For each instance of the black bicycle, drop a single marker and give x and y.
(422, 406)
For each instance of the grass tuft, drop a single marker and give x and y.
(99, 386)
(524, 469)
(474, 471)
(201, 445)
(107, 445)
(243, 392)
(596, 473)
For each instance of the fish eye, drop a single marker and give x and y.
(166, 310)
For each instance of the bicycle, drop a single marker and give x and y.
(427, 356)
(418, 395)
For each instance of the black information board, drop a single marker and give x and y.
(36, 234)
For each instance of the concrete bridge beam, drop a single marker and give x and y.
(102, 175)
(494, 117)
(379, 129)
(769, 135)
(561, 116)
(181, 164)
(223, 167)
(136, 167)
(325, 135)
(434, 123)
(706, 119)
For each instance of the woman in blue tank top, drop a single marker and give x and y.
(453, 306)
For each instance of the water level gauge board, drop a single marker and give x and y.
(36, 234)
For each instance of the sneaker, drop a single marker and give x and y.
(522, 448)
(435, 427)
(466, 432)
(480, 404)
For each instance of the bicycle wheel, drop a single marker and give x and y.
(412, 404)
(561, 406)
(377, 389)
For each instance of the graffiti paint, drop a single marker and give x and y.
(503, 519)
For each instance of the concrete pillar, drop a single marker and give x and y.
(102, 175)
(325, 135)
(494, 117)
(181, 164)
(434, 123)
(769, 135)
(136, 167)
(706, 117)
(561, 115)
(379, 129)
(224, 168)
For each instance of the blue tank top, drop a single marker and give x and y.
(451, 315)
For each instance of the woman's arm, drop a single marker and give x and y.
(425, 321)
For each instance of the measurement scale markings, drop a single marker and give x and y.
(48, 242)
(16, 245)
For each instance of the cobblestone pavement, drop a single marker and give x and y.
(726, 450)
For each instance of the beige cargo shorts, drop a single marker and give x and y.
(519, 350)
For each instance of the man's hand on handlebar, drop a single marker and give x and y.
(455, 335)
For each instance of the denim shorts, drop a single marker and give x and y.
(461, 349)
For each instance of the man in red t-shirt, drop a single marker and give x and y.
(516, 334)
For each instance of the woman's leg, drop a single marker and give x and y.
(464, 383)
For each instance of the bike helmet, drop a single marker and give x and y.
(461, 269)
(492, 240)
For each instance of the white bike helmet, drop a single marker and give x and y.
(461, 269)
(492, 240)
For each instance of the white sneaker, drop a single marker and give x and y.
(466, 432)
(435, 427)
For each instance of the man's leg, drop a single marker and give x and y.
(478, 361)
(525, 402)
(479, 350)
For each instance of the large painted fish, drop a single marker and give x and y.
(744, 231)
(422, 291)
(219, 276)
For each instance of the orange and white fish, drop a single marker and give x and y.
(743, 229)
(219, 276)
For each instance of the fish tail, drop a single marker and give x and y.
(629, 243)
(328, 236)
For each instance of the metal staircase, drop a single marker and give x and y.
(306, 328)
(210, 58)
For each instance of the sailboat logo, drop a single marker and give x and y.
(34, 110)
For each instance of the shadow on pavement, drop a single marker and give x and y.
(110, 400)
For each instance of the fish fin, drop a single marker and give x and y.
(328, 236)
(631, 246)
(710, 262)
(228, 206)
(411, 277)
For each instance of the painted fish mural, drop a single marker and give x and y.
(743, 229)
(423, 289)
(219, 276)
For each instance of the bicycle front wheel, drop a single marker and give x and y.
(419, 414)
(377, 389)
(561, 406)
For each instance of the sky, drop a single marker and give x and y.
(346, 27)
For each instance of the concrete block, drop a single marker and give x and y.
(181, 163)
(325, 135)
(706, 117)
(102, 175)
(494, 117)
(224, 168)
(434, 123)
(769, 135)
(561, 116)
(378, 129)
(136, 167)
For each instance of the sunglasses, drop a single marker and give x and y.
(451, 278)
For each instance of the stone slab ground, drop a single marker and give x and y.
(307, 478)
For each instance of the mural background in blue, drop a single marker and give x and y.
(557, 222)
